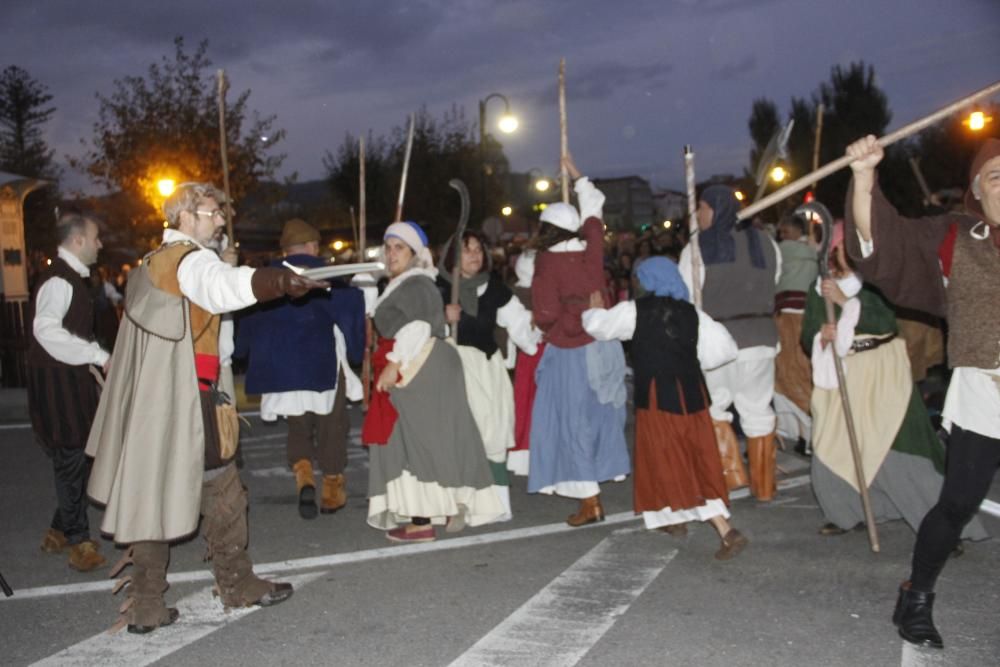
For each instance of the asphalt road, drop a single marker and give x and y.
(527, 592)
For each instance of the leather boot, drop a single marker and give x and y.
(305, 485)
(54, 542)
(590, 512)
(913, 617)
(85, 556)
(224, 526)
(729, 450)
(762, 452)
(145, 610)
(334, 495)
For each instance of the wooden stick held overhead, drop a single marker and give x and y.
(817, 141)
(563, 133)
(406, 170)
(224, 149)
(693, 224)
(889, 139)
(362, 218)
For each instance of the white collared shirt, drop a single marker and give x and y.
(208, 281)
(51, 305)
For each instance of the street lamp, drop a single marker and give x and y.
(977, 120)
(166, 186)
(507, 124)
(506, 211)
(778, 174)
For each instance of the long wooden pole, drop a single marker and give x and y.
(362, 212)
(224, 149)
(693, 226)
(817, 141)
(889, 139)
(852, 437)
(563, 133)
(921, 181)
(406, 170)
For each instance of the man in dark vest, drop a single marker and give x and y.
(740, 267)
(62, 390)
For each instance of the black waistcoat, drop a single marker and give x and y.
(665, 349)
(478, 331)
(79, 319)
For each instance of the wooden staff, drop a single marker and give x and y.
(224, 148)
(456, 271)
(921, 181)
(563, 134)
(889, 139)
(366, 361)
(818, 139)
(693, 226)
(354, 230)
(818, 209)
(406, 170)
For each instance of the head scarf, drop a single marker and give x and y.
(412, 235)
(660, 276)
(717, 244)
(564, 216)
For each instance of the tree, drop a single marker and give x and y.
(853, 107)
(24, 111)
(442, 150)
(166, 125)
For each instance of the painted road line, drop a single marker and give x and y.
(201, 615)
(914, 656)
(331, 560)
(563, 621)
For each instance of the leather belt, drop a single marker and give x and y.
(870, 343)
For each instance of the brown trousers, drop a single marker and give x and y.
(321, 437)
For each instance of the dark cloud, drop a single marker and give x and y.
(600, 81)
(735, 70)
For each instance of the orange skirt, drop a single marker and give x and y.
(677, 462)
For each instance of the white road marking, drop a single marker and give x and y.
(201, 615)
(563, 621)
(914, 656)
(331, 560)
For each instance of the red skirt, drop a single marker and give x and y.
(381, 416)
(677, 463)
(524, 395)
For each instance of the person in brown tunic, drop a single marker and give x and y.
(161, 460)
(899, 256)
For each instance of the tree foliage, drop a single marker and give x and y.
(853, 106)
(166, 125)
(442, 149)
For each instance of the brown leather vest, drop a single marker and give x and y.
(162, 265)
(974, 302)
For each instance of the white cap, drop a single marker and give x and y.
(561, 215)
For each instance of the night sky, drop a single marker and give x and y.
(643, 77)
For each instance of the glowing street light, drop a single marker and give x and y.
(338, 245)
(506, 210)
(667, 224)
(739, 195)
(166, 186)
(543, 184)
(778, 174)
(508, 123)
(977, 120)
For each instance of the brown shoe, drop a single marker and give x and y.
(677, 529)
(54, 541)
(732, 544)
(305, 484)
(590, 512)
(84, 557)
(334, 495)
(733, 469)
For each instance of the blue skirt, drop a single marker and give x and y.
(574, 436)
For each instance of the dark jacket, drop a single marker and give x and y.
(290, 343)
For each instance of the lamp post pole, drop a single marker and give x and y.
(484, 167)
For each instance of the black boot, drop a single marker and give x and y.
(913, 617)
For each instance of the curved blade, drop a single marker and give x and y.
(463, 192)
(813, 210)
(776, 148)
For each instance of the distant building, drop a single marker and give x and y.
(628, 203)
(670, 205)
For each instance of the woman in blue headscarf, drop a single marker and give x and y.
(678, 471)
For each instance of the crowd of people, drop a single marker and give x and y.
(472, 375)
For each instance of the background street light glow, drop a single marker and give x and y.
(166, 186)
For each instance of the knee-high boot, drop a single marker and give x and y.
(144, 609)
(729, 450)
(224, 526)
(762, 451)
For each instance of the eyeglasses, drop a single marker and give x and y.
(211, 214)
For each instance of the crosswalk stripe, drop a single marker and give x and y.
(563, 621)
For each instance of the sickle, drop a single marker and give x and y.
(815, 208)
